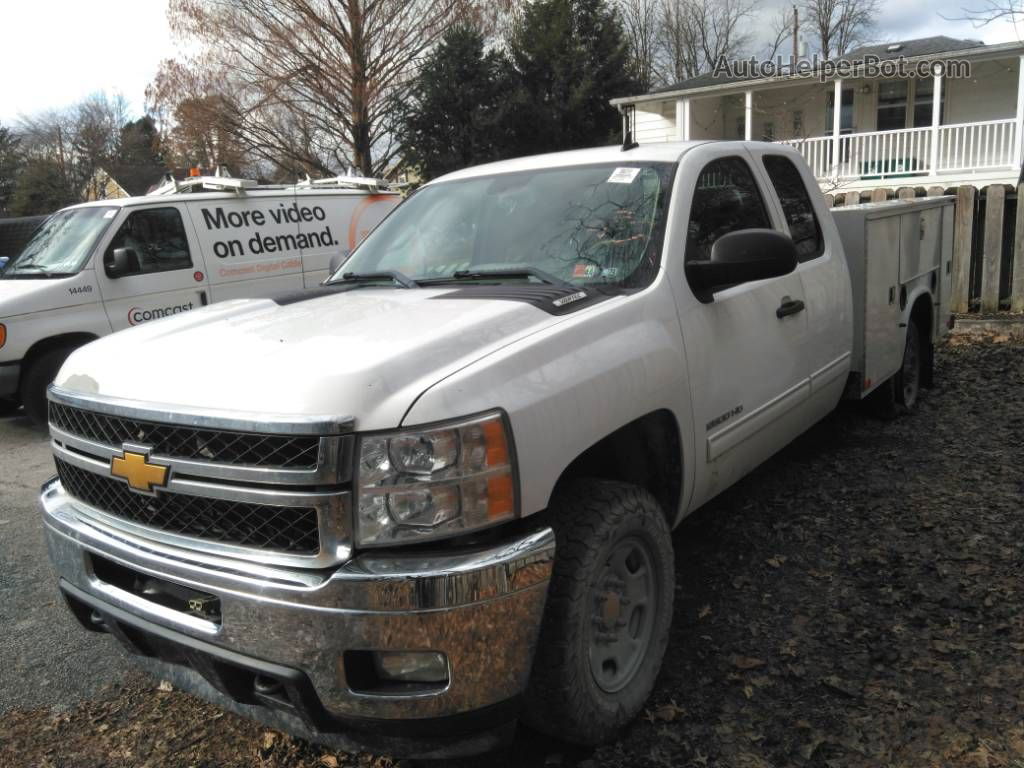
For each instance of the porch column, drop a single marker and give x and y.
(1018, 137)
(683, 119)
(748, 113)
(933, 167)
(837, 115)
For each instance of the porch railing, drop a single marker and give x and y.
(908, 152)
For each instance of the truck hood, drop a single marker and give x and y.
(365, 353)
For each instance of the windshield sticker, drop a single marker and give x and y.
(623, 175)
(584, 270)
(110, 214)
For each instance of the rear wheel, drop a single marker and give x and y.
(900, 393)
(34, 381)
(608, 615)
(908, 380)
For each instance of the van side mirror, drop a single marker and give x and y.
(338, 259)
(742, 257)
(121, 262)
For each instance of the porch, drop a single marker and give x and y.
(934, 130)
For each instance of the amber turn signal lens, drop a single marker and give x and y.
(3, 334)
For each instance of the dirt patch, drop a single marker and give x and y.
(856, 602)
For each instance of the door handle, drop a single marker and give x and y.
(203, 301)
(789, 307)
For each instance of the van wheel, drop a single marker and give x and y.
(37, 378)
(608, 612)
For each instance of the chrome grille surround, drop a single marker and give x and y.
(252, 495)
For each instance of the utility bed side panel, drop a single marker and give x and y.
(883, 342)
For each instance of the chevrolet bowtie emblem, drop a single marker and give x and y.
(136, 469)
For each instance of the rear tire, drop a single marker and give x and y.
(608, 613)
(899, 394)
(908, 380)
(40, 374)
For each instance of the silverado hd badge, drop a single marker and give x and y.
(135, 468)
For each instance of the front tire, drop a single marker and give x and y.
(39, 375)
(609, 610)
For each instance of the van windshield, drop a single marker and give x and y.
(61, 246)
(587, 225)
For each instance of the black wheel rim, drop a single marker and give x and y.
(911, 373)
(623, 600)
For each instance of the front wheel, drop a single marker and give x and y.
(608, 614)
(37, 378)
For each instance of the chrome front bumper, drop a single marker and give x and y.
(480, 606)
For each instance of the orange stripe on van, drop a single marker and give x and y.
(353, 225)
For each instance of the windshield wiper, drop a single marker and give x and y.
(512, 272)
(372, 277)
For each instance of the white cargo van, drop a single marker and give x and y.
(100, 267)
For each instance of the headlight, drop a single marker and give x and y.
(425, 484)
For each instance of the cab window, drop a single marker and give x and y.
(796, 206)
(725, 200)
(157, 238)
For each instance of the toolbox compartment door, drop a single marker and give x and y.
(883, 344)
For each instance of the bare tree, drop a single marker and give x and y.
(307, 83)
(987, 11)
(697, 33)
(840, 25)
(784, 26)
(641, 20)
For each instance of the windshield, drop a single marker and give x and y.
(61, 245)
(595, 224)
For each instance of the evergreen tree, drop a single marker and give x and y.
(570, 57)
(40, 189)
(139, 143)
(452, 118)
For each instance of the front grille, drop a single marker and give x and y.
(284, 529)
(246, 448)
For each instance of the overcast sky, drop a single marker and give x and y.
(56, 52)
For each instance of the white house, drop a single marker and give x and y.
(944, 129)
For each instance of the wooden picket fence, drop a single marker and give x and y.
(988, 243)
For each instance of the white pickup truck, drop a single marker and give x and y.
(435, 496)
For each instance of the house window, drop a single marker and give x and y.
(924, 97)
(768, 132)
(892, 105)
(845, 113)
(798, 124)
(741, 127)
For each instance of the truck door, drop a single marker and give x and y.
(822, 270)
(745, 348)
(164, 274)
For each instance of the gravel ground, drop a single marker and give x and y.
(855, 602)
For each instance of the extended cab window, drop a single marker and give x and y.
(725, 200)
(157, 238)
(797, 206)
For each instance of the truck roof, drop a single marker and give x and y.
(661, 152)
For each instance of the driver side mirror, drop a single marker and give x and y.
(121, 262)
(338, 259)
(742, 257)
